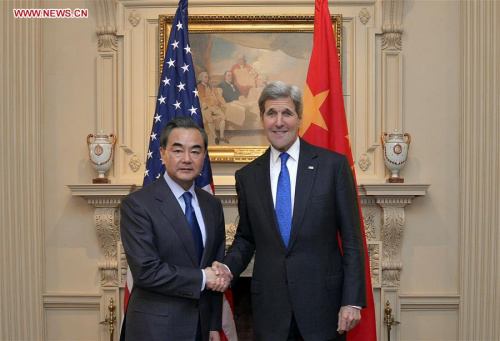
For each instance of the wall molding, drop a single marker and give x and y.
(429, 302)
(72, 301)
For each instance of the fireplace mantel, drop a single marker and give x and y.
(383, 214)
(112, 265)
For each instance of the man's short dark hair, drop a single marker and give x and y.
(181, 122)
(277, 90)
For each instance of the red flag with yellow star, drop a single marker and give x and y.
(324, 124)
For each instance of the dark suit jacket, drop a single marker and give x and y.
(166, 301)
(311, 277)
(228, 93)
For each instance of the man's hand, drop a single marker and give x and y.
(214, 335)
(214, 282)
(349, 318)
(222, 270)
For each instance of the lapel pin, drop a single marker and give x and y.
(311, 167)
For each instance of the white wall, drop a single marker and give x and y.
(69, 106)
(431, 99)
(69, 84)
(431, 115)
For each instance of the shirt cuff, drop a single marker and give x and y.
(204, 280)
(227, 268)
(355, 306)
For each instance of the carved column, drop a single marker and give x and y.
(392, 28)
(392, 65)
(391, 234)
(106, 199)
(106, 222)
(107, 66)
(106, 25)
(392, 113)
(370, 211)
(385, 255)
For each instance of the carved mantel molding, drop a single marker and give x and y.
(392, 198)
(102, 195)
(106, 25)
(106, 198)
(385, 200)
(392, 28)
(227, 193)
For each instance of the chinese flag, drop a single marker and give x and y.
(324, 124)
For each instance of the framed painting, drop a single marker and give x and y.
(234, 57)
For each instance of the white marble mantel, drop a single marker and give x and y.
(391, 200)
(106, 199)
(102, 195)
(112, 265)
(383, 214)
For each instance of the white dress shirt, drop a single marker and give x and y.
(292, 165)
(178, 191)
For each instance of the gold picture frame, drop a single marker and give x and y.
(286, 42)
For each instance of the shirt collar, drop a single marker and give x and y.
(176, 189)
(293, 151)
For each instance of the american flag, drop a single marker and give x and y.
(178, 97)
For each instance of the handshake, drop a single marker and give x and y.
(218, 277)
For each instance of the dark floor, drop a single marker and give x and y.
(243, 309)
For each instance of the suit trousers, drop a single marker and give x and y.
(294, 333)
(199, 336)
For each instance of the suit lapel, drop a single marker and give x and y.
(170, 208)
(210, 225)
(306, 174)
(263, 181)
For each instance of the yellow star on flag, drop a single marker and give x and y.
(312, 104)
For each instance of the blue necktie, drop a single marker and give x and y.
(193, 224)
(284, 201)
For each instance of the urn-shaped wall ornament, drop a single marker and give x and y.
(101, 152)
(395, 146)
